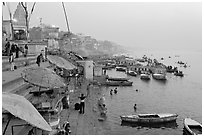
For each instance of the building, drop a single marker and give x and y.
(35, 34)
(19, 23)
(6, 30)
(88, 69)
(50, 32)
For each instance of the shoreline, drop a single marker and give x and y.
(87, 123)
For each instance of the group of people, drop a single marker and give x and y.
(12, 50)
(115, 91)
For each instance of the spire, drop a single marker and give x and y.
(19, 16)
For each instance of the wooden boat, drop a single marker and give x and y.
(131, 73)
(121, 69)
(118, 83)
(117, 79)
(150, 118)
(171, 69)
(145, 76)
(192, 126)
(180, 62)
(178, 73)
(159, 76)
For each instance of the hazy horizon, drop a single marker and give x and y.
(149, 25)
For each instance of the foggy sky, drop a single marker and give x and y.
(174, 26)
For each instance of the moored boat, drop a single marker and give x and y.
(118, 83)
(192, 126)
(171, 69)
(150, 118)
(117, 79)
(178, 73)
(159, 76)
(145, 76)
(121, 69)
(131, 73)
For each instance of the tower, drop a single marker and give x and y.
(19, 16)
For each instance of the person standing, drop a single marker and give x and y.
(8, 46)
(135, 107)
(88, 89)
(17, 50)
(11, 61)
(46, 50)
(13, 49)
(82, 103)
(115, 91)
(105, 72)
(25, 50)
(111, 92)
(39, 59)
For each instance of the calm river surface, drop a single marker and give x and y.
(177, 95)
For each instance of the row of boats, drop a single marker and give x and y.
(125, 81)
(191, 126)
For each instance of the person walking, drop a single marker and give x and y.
(11, 61)
(39, 59)
(82, 103)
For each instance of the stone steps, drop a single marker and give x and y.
(12, 85)
(20, 63)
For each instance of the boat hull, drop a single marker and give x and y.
(173, 117)
(132, 73)
(119, 83)
(192, 126)
(120, 69)
(178, 74)
(118, 79)
(159, 76)
(145, 77)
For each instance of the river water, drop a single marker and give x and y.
(182, 96)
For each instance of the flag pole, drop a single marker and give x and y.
(66, 17)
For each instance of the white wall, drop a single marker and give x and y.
(88, 68)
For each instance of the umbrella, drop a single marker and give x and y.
(61, 62)
(22, 108)
(42, 77)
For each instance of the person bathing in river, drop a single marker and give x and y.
(111, 92)
(82, 103)
(115, 91)
(135, 107)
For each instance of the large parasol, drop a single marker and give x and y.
(61, 62)
(22, 108)
(43, 77)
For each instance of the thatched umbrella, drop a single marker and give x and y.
(61, 62)
(43, 77)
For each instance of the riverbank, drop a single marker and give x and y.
(87, 123)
